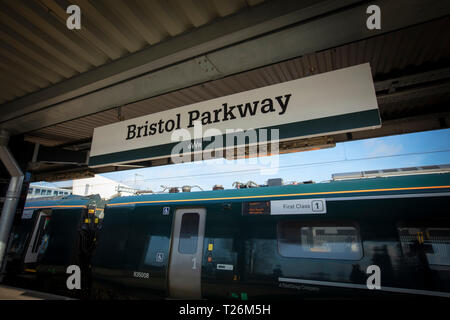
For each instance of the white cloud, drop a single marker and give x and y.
(379, 148)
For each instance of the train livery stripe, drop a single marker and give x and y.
(40, 207)
(361, 286)
(280, 195)
(393, 196)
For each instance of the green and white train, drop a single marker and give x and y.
(355, 236)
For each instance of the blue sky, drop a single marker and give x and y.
(414, 149)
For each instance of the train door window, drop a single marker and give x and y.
(189, 233)
(322, 240)
(19, 237)
(41, 240)
(434, 242)
(40, 237)
(439, 239)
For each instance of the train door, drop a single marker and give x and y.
(186, 253)
(37, 237)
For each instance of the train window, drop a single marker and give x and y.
(37, 191)
(55, 193)
(189, 233)
(434, 242)
(40, 239)
(19, 237)
(49, 192)
(30, 191)
(322, 240)
(155, 246)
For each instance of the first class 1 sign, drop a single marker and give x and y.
(285, 207)
(334, 102)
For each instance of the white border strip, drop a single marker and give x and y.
(411, 195)
(360, 286)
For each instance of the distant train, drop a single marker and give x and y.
(37, 191)
(316, 240)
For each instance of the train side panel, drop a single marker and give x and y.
(278, 264)
(400, 225)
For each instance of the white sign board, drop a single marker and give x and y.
(27, 214)
(339, 101)
(298, 206)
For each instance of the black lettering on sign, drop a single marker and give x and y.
(223, 113)
(131, 131)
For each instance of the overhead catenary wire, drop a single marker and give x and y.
(255, 170)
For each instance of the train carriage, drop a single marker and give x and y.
(53, 233)
(294, 241)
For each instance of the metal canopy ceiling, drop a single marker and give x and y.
(406, 49)
(181, 61)
(37, 50)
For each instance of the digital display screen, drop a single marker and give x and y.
(256, 208)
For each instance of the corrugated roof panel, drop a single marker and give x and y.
(197, 12)
(385, 53)
(225, 8)
(36, 44)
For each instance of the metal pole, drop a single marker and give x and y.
(12, 195)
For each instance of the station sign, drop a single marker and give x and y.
(334, 102)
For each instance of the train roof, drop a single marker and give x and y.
(421, 183)
(68, 201)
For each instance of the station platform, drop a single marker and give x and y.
(12, 293)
